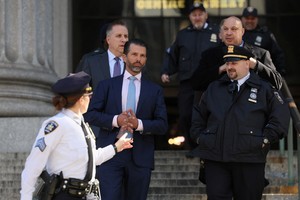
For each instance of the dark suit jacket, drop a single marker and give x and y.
(151, 109)
(97, 66)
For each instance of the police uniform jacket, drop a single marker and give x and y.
(231, 128)
(212, 59)
(60, 146)
(262, 37)
(185, 52)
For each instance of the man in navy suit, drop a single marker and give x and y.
(127, 175)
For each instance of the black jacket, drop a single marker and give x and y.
(184, 54)
(212, 59)
(265, 39)
(231, 128)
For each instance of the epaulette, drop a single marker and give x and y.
(278, 97)
(264, 29)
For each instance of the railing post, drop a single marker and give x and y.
(296, 122)
(291, 178)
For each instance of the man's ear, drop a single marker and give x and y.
(243, 30)
(124, 57)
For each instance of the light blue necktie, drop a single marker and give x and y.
(131, 94)
(131, 98)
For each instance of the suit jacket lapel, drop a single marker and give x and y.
(103, 59)
(117, 83)
(143, 95)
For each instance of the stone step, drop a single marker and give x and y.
(176, 182)
(177, 197)
(204, 197)
(200, 189)
(176, 177)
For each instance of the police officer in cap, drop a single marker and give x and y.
(238, 117)
(183, 57)
(65, 145)
(262, 37)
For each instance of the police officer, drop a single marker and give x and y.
(65, 145)
(262, 37)
(239, 116)
(183, 57)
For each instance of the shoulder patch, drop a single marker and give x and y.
(41, 144)
(277, 95)
(50, 127)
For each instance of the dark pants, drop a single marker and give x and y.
(186, 101)
(240, 181)
(121, 179)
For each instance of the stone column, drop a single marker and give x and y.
(26, 70)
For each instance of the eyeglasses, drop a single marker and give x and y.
(89, 95)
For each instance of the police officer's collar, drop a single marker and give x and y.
(252, 81)
(191, 27)
(77, 118)
(243, 80)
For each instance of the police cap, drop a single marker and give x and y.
(249, 11)
(77, 83)
(197, 5)
(235, 53)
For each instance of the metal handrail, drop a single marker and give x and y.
(296, 122)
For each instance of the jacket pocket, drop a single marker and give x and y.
(185, 63)
(249, 139)
(207, 138)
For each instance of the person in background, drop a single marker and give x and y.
(212, 65)
(237, 119)
(65, 146)
(183, 57)
(110, 63)
(127, 175)
(101, 49)
(262, 37)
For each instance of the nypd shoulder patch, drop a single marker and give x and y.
(50, 127)
(41, 144)
(277, 95)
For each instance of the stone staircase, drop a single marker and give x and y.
(175, 177)
(11, 166)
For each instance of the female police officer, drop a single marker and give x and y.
(61, 147)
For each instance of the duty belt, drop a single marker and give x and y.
(79, 188)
